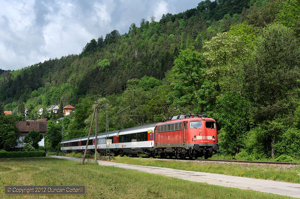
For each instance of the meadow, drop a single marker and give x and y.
(106, 182)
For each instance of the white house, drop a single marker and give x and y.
(53, 108)
(40, 112)
(26, 126)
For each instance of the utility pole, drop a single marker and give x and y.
(87, 142)
(107, 152)
(96, 109)
(107, 118)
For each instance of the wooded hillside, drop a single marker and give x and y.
(237, 61)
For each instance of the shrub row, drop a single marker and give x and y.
(19, 154)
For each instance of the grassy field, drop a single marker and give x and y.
(107, 182)
(252, 171)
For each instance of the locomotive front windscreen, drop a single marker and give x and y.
(210, 125)
(195, 125)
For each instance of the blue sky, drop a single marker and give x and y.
(32, 31)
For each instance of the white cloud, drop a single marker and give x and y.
(32, 31)
(162, 8)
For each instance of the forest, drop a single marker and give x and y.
(236, 61)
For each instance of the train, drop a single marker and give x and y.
(182, 136)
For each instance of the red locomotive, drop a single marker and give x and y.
(186, 136)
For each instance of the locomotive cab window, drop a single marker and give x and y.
(210, 125)
(195, 125)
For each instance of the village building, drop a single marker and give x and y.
(53, 108)
(40, 112)
(26, 126)
(68, 109)
(7, 112)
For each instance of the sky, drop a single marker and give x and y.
(32, 31)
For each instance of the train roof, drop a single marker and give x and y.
(190, 117)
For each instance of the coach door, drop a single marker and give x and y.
(155, 135)
(184, 131)
(117, 140)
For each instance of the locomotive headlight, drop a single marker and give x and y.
(195, 137)
(214, 139)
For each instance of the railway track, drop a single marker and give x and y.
(232, 161)
(248, 162)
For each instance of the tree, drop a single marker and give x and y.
(232, 114)
(289, 15)
(60, 112)
(1, 109)
(21, 110)
(33, 138)
(30, 112)
(53, 134)
(9, 133)
(83, 110)
(148, 83)
(103, 63)
(225, 49)
(271, 77)
(190, 87)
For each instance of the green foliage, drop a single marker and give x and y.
(284, 158)
(246, 33)
(290, 143)
(103, 63)
(9, 133)
(20, 154)
(148, 83)
(53, 134)
(21, 110)
(225, 49)
(232, 115)
(188, 81)
(83, 111)
(273, 70)
(255, 141)
(243, 155)
(1, 109)
(41, 148)
(33, 138)
(289, 15)
(28, 147)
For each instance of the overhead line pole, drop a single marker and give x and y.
(87, 142)
(107, 152)
(96, 109)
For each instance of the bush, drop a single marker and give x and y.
(78, 155)
(243, 155)
(72, 154)
(41, 148)
(19, 154)
(284, 158)
(28, 147)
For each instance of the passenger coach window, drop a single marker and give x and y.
(210, 125)
(195, 125)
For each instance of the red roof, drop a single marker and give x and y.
(29, 125)
(44, 119)
(69, 107)
(7, 112)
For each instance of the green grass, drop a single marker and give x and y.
(252, 171)
(107, 182)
